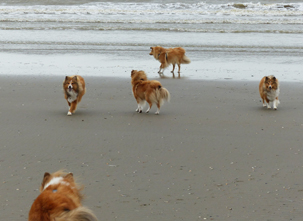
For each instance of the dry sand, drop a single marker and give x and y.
(213, 153)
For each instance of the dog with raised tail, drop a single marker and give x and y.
(147, 91)
(269, 89)
(74, 89)
(59, 200)
(169, 56)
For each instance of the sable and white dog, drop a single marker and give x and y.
(269, 89)
(150, 91)
(167, 56)
(59, 200)
(74, 89)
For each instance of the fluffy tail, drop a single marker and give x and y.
(185, 60)
(161, 95)
(79, 214)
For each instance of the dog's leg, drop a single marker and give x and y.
(173, 70)
(139, 109)
(158, 109)
(150, 104)
(72, 108)
(159, 72)
(276, 103)
(264, 104)
(267, 103)
(141, 104)
(263, 100)
(179, 69)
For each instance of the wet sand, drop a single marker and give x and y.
(213, 153)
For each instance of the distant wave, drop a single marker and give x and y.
(107, 8)
(201, 30)
(180, 17)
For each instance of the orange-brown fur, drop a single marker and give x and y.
(60, 201)
(269, 90)
(169, 56)
(78, 85)
(145, 90)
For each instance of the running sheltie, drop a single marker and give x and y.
(150, 91)
(269, 91)
(169, 56)
(74, 89)
(59, 200)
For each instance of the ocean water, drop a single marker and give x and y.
(224, 40)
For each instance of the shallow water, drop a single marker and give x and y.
(224, 40)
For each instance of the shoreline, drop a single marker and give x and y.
(202, 67)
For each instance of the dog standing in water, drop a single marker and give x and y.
(169, 56)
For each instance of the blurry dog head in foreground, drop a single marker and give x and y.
(59, 200)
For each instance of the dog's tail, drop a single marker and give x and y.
(185, 60)
(79, 214)
(164, 94)
(161, 94)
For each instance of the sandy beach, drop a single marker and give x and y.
(213, 153)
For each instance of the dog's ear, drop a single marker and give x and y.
(69, 176)
(274, 78)
(66, 78)
(45, 178)
(151, 48)
(75, 78)
(266, 78)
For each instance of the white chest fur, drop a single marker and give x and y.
(72, 96)
(271, 95)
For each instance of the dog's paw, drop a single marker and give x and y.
(140, 111)
(264, 105)
(137, 110)
(69, 113)
(157, 113)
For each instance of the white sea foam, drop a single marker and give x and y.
(95, 11)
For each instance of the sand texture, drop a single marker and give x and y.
(213, 153)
